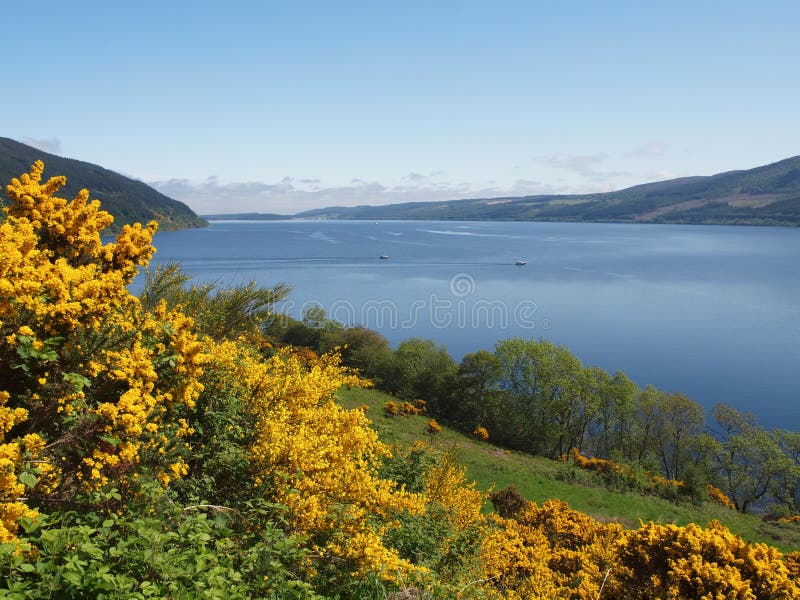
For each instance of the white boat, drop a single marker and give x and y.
(521, 263)
(384, 257)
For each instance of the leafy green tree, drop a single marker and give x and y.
(541, 391)
(788, 486)
(423, 369)
(583, 412)
(361, 348)
(478, 375)
(646, 417)
(747, 461)
(615, 416)
(677, 420)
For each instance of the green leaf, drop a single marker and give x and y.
(28, 478)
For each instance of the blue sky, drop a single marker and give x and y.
(285, 106)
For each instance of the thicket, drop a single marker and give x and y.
(164, 447)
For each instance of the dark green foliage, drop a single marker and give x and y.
(476, 389)
(128, 200)
(361, 348)
(508, 501)
(222, 433)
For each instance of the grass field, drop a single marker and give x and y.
(539, 479)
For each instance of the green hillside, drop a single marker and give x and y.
(540, 479)
(766, 195)
(246, 217)
(128, 200)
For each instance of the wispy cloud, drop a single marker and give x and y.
(648, 150)
(661, 175)
(582, 164)
(51, 145)
(290, 196)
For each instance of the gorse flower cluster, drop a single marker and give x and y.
(317, 458)
(405, 408)
(480, 433)
(92, 384)
(555, 552)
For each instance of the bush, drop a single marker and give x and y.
(481, 434)
(508, 501)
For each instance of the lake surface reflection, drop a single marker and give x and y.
(713, 312)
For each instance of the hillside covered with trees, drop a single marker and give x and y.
(766, 195)
(127, 200)
(177, 445)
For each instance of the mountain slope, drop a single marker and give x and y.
(766, 195)
(126, 199)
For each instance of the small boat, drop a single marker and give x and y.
(384, 257)
(521, 263)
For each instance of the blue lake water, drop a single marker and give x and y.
(713, 312)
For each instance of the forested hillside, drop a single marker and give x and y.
(128, 200)
(767, 195)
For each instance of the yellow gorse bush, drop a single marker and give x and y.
(101, 390)
(446, 485)
(553, 551)
(317, 458)
(481, 434)
(92, 382)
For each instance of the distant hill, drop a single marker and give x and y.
(768, 195)
(128, 200)
(246, 217)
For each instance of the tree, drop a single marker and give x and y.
(541, 392)
(677, 420)
(615, 416)
(361, 348)
(645, 421)
(788, 484)
(747, 462)
(423, 369)
(477, 386)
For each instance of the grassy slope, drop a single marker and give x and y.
(539, 479)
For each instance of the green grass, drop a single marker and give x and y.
(539, 479)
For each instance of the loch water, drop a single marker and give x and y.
(713, 312)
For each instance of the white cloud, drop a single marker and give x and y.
(51, 145)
